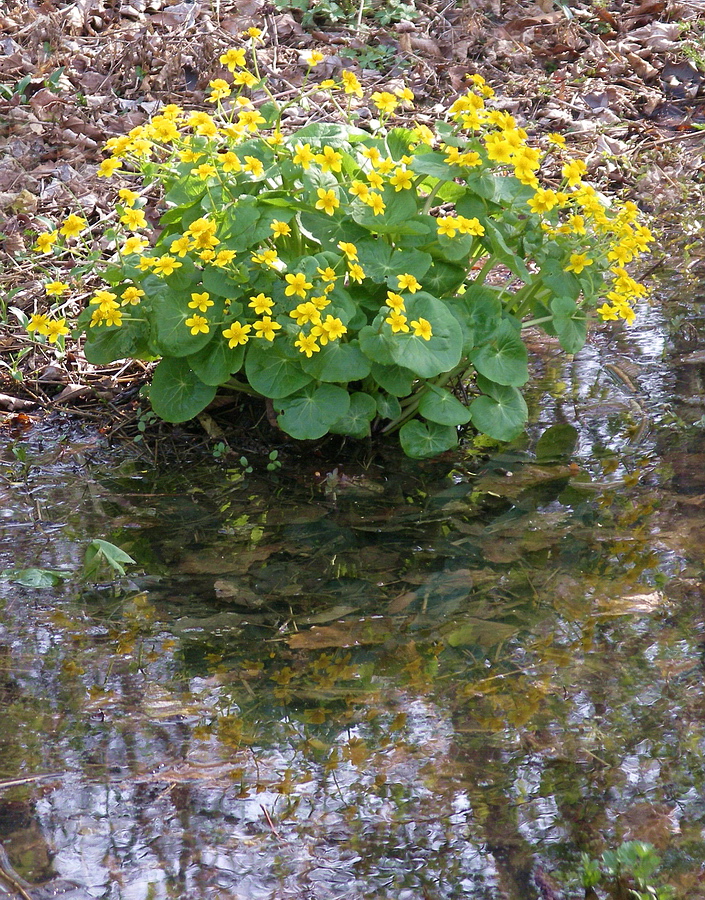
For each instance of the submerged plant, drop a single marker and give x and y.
(357, 279)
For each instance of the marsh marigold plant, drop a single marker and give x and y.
(355, 278)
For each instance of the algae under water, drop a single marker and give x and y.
(436, 680)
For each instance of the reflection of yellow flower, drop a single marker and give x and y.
(237, 334)
(197, 324)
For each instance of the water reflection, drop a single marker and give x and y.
(412, 681)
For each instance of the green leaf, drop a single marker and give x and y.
(273, 369)
(329, 230)
(216, 362)
(443, 278)
(504, 359)
(356, 422)
(338, 362)
(377, 347)
(562, 284)
(570, 322)
(502, 416)
(440, 406)
(172, 336)
(388, 406)
(32, 577)
(239, 221)
(216, 281)
(456, 248)
(401, 206)
(382, 263)
(500, 249)
(439, 354)
(103, 345)
(103, 552)
(421, 440)
(177, 394)
(432, 163)
(310, 413)
(333, 134)
(396, 380)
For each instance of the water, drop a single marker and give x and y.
(363, 680)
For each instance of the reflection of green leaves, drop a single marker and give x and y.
(310, 413)
(556, 443)
(177, 394)
(32, 577)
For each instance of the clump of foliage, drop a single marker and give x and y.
(627, 872)
(359, 279)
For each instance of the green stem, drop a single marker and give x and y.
(533, 322)
(432, 196)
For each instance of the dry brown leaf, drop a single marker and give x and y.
(373, 630)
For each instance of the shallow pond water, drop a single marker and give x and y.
(395, 680)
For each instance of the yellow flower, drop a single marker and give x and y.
(253, 33)
(385, 166)
(131, 296)
(573, 172)
(97, 318)
(543, 200)
(233, 58)
(251, 119)
(373, 154)
(423, 134)
(219, 89)
(397, 321)
(556, 139)
(576, 224)
(376, 180)
(313, 57)
(351, 84)
(349, 249)
(620, 254)
(236, 334)
(327, 201)
(133, 218)
(224, 258)
(330, 160)
(470, 226)
(447, 226)
(55, 288)
(330, 330)
(108, 168)
(395, 301)
(266, 328)
(190, 156)
(166, 265)
(163, 129)
(303, 155)
(608, 313)
(356, 273)
(422, 328)
(405, 94)
(328, 274)
(307, 344)
(111, 317)
(376, 203)
(359, 189)
(73, 226)
(578, 262)
(261, 304)
(201, 302)
(402, 180)
(253, 165)
(305, 313)
(197, 324)
(245, 78)
(128, 197)
(384, 101)
(297, 285)
(205, 170)
(266, 258)
(45, 241)
(39, 323)
(498, 149)
(105, 300)
(230, 162)
(280, 229)
(56, 329)
(180, 246)
(408, 283)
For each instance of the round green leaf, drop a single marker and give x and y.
(356, 422)
(400, 206)
(439, 354)
(103, 345)
(216, 362)
(338, 362)
(570, 323)
(376, 347)
(273, 368)
(442, 407)
(423, 440)
(388, 406)
(172, 335)
(504, 359)
(310, 413)
(396, 380)
(177, 394)
(502, 416)
(556, 443)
